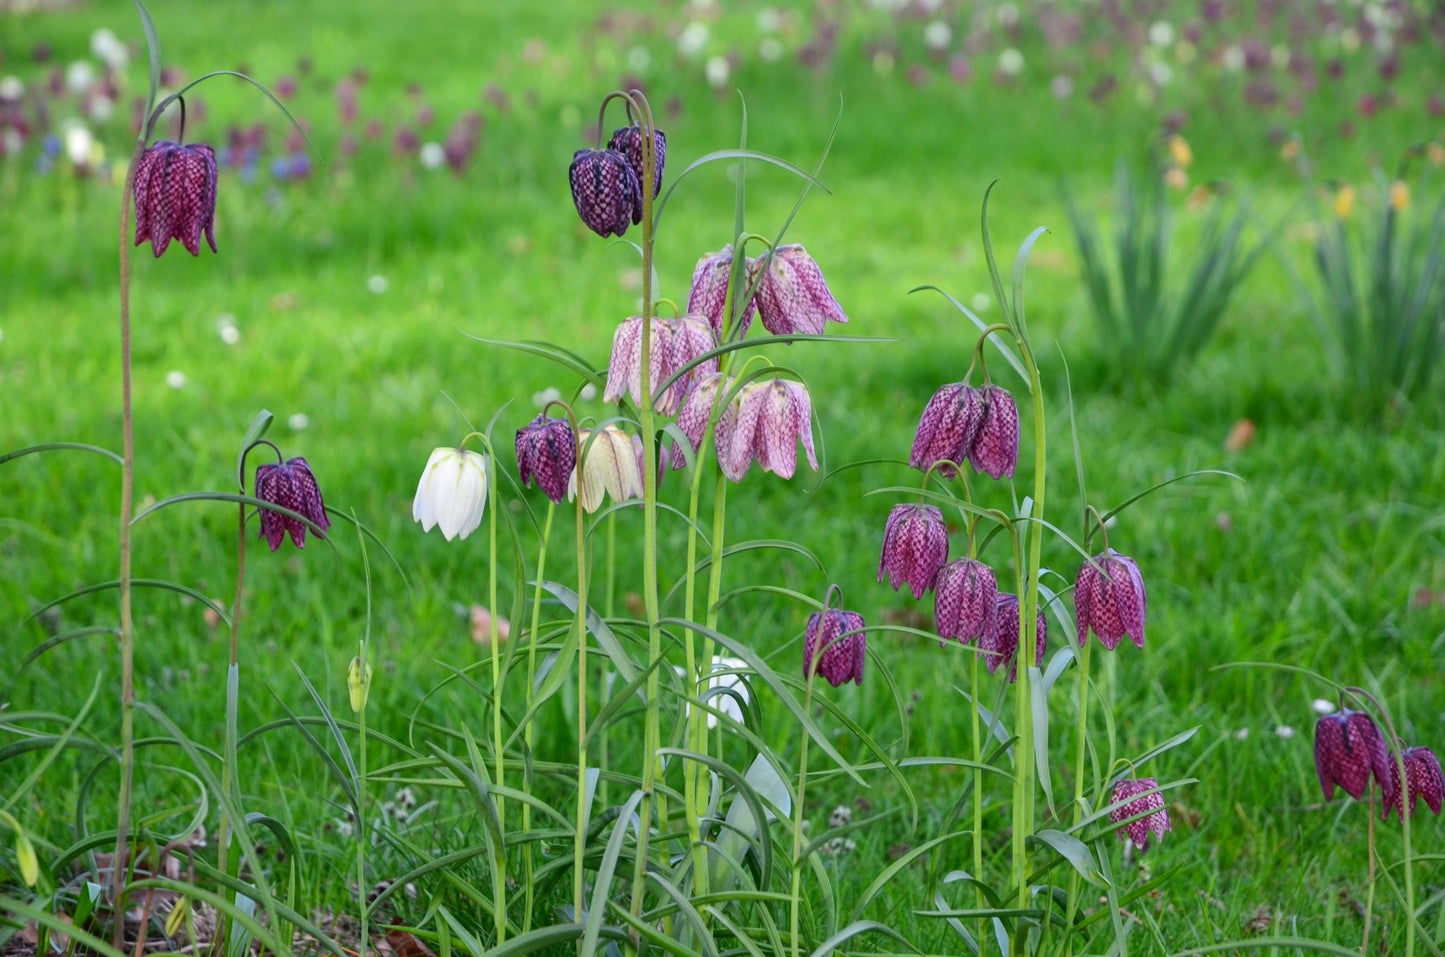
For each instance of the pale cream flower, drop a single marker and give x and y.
(609, 467)
(452, 493)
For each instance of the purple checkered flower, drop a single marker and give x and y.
(1138, 801)
(947, 428)
(547, 451)
(915, 546)
(792, 295)
(693, 416)
(674, 343)
(837, 659)
(995, 449)
(1349, 750)
(1422, 780)
(175, 196)
(772, 417)
(605, 191)
(965, 601)
(709, 292)
(1109, 597)
(628, 142)
(1000, 645)
(291, 485)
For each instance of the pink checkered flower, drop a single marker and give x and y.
(915, 546)
(773, 415)
(692, 418)
(965, 601)
(1349, 750)
(947, 428)
(674, 343)
(838, 659)
(1000, 645)
(1138, 801)
(709, 293)
(175, 196)
(290, 485)
(792, 295)
(1109, 597)
(995, 449)
(1422, 780)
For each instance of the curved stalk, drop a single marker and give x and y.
(798, 820)
(527, 732)
(499, 893)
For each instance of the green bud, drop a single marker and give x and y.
(29, 864)
(358, 681)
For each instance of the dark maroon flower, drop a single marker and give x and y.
(1138, 801)
(175, 196)
(793, 297)
(1109, 597)
(605, 191)
(1422, 780)
(947, 428)
(837, 659)
(547, 451)
(915, 546)
(628, 142)
(1000, 644)
(995, 449)
(965, 600)
(290, 485)
(1348, 751)
(709, 293)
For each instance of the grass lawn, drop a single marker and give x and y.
(355, 297)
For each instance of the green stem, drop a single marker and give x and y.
(1370, 883)
(1081, 743)
(579, 837)
(361, 804)
(527, 732)
(693, 771)
(795, 895)
(609, 595)
(978, 810)
(499, 892)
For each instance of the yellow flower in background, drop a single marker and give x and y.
(1176, 178)
(1399, 195)
(1436, 153)
(1291, 149)
(1344, 201)
(1180, 152)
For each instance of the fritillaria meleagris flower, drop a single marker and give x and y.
(608, 466)
(547, 452)
(452, 493)
(792, 295)
(1349, 750)
(1422, 780)
(674, 343)
(915, 546)
(628, 142)
(175, 196)
(692, 418)
(773, 415)
(605, 191)
(1109, 597)
(947, 428)
(1137, 801)
(1000, 646)
(709, 293)
(289, 484)
(995, 449)
(965, 600)
(836, 659)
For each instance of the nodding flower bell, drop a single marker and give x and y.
(995, 449)
(947, 428)
(628, 142)
(915, 546)
(547, 452)
(792, 295)
(1422, 780)
(1109, 597)
(452, 493)
(1000, 646)
(605, 191)
(1138, 801)
(709, 293)
(692, 418)
(290, 485)
(965, 600)
(674, 343)
(837, 659)
(608, 466)
(175, 196)
(1349, 750)
(772, 417)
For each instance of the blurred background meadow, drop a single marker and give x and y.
(430, 207)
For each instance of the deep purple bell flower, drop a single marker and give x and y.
(606, 191)
(947, 428)
(838, 660)
(1422, 780)
(175, 196)
(628, 142)
(1000, 645)
(965, 600)
(1349, 750)
(547, 452)
(291, 485)
(1156, 821)
(915, 546)
(1109, 597)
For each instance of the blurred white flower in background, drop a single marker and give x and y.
(717, 72)
(692, 39)
(78, 144)
(1011, 62)
(1161, 33)
(79, 76)
(176, 379)
(937, 35)
(1233, 58)
(432, 155)
(108, 48)
(770, 49)
(769, 20)
(298, 421)
(1323, 706)
(226, 329)
(377, 285)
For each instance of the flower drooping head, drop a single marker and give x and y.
(995, 448)
(1000, 646)
(773, 415)
(1109, 597)
(965, 600)
(1138, 801)
(915, 546)
(836, 659)
(947, 428)
(1349, 750)
(289, 484)
(608, 466)
(628, 142)
(674, 343)
(547, 451)
(792, 295)
(1422, 780)
(692, 418)
(452, 493)
(709, 292)
(175, 196)
(605, 191)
